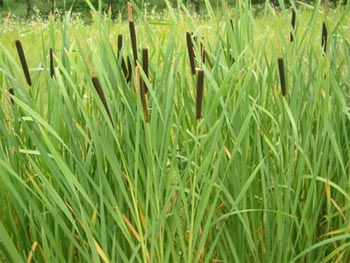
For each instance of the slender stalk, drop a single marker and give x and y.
(282, 76)
(23, 60)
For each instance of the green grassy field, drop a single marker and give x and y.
(125, 175)
(18, 8)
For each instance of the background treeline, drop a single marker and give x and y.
(29, 7)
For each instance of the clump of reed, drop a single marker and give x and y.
(179, 169)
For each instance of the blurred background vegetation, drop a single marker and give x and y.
(28, 8)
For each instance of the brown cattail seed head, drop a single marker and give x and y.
(120, 43)
(200, 88)
(133, 39)
(190, 49)
(101, 94)
(282, 76)
(23, 60)
(145, 66)
(52, 68)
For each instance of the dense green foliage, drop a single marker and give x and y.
(44, 7)
(259, 178)
(20, 7)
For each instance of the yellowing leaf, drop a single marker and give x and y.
(131, 228)
(101, 252)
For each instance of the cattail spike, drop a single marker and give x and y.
(120, 43)
(52, 68)
(324, 37)
(190, 49)
(23, 60)
(101, 94)
(293, 23)
(282, 76)
(200, 87)
(132, 32)
(133, 39)
(145, 67)
(120, 56)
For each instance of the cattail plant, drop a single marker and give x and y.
(120, 56)
(145, 67)
(12, 93)
(120, 43)
(282, 76)
(52, 68)
(23, 60)
(101, 94)
(293, 23)
(199, 99)
(132, 32)
(324, 37)
(190, 49)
